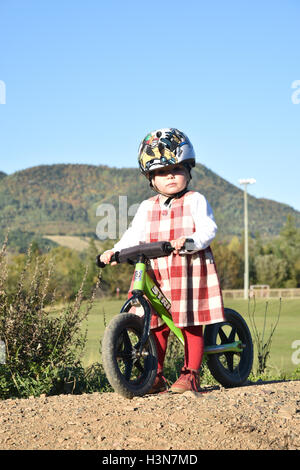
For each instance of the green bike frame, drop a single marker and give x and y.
(144, 285)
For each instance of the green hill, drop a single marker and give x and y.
(63, 199)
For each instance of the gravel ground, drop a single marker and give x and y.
(258, 417)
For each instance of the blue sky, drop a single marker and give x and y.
(85, 82)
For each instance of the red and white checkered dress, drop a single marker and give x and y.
(190, 282)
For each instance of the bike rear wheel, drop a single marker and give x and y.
(230, 369)
(130, 372)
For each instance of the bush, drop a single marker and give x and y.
(43, 347)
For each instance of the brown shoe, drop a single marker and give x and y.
(159, 385)
(188, 381)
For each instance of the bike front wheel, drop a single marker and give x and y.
(130, 372)
(230, 369)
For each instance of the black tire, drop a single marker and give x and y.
(129, 373)
(230, 369)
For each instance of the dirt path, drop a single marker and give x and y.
(264, 416)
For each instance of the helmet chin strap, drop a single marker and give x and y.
(169, 198)
(175, 196)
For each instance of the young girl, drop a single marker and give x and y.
(188, 280)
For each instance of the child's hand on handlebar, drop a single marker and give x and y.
(178, 244)
(106, 257)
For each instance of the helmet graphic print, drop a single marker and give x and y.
(165, 147)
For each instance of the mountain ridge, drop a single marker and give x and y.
(63, 199)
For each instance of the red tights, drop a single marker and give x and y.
(193, 345)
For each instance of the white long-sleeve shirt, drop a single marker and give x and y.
(205, 226)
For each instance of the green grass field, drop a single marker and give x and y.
(287, 331)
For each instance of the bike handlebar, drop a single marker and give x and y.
(149, 250)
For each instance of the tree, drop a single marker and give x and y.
(68, 272)
(229, 264)
(271, 270)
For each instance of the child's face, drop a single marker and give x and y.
(171, 180)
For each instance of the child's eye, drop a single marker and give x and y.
(160, 172)
(167, 171)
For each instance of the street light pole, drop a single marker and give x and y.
(245, 182)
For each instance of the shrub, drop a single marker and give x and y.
(43, 347)
(263, 343)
